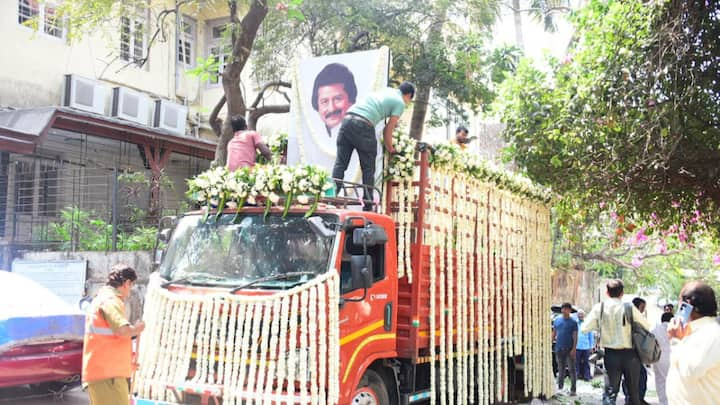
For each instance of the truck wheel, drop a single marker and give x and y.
(371, 390)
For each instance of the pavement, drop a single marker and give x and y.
(25, 396)
(590, 393)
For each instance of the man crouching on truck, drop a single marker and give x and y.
(107, 350)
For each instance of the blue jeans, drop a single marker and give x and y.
(582, 364)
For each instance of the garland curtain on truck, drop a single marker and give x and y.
(489, 278)
(243, 348)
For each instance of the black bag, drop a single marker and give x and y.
(645, 344)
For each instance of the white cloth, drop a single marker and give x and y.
(615, 334)
(694, 375)
(660, 369)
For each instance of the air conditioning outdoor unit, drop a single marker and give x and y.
(170, 116)
(131, 105)
(84, 94)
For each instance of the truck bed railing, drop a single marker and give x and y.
(348, 194)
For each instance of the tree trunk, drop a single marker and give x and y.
(424, 84)
(420, 107)
(518, 24)
(243, 37)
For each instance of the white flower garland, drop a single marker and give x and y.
(252, 330)
(219, 188)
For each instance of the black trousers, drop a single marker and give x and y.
(359, 136)
(618, 364)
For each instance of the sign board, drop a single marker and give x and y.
(65, 278)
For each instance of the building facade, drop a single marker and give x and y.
(106, 128)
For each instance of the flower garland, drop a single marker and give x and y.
(257, 364)
(221, 188)
(401, 169)
(453, 158)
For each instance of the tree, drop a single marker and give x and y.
(632, 116)
(441, 47)
(84, 16)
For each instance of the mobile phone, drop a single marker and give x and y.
(684, 312)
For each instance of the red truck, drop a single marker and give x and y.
(255, 308)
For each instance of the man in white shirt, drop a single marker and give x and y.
(660, 368)
(621, 360)
(694, 375)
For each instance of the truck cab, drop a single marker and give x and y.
(246, 252)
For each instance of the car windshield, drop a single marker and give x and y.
(231, 253)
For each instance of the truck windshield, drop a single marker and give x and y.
(229, 254)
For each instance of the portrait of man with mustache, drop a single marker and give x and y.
(334, 92)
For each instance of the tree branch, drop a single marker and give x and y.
(261, 94)
(215, 122)
(268, 109)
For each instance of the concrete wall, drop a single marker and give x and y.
(98, 267)
(577, 287)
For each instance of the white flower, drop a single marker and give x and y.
(274, 198)
(251, 199)
(303, 199)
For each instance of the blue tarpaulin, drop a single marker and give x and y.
(28, 329)
(30, 313)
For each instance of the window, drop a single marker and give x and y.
(42, 13)
(133, 36)
(24, 186)
(186, 42)
(219, 47)
(377, 254)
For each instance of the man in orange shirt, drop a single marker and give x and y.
(242, 147)
(107, 349)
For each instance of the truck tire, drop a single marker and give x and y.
(372, 390)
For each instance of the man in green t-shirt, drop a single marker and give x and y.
(357, 132)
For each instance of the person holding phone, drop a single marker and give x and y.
(694, 374)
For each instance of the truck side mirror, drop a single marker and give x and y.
(361, 270)
(164, 235)
(370, 235)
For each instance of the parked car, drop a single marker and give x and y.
(41, 336)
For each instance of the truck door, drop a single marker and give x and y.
(367, 325)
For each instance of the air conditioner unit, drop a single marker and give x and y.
(84, 94)
(131, 105)
(170, 116)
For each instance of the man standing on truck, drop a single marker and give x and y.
(243, 146)
(357, 132)
(107, 349)
(621, 360)
(565, 334)
(461, 137)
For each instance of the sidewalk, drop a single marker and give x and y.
(590, 393)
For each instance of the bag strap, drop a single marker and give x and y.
(629, 313)
(602, 307)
